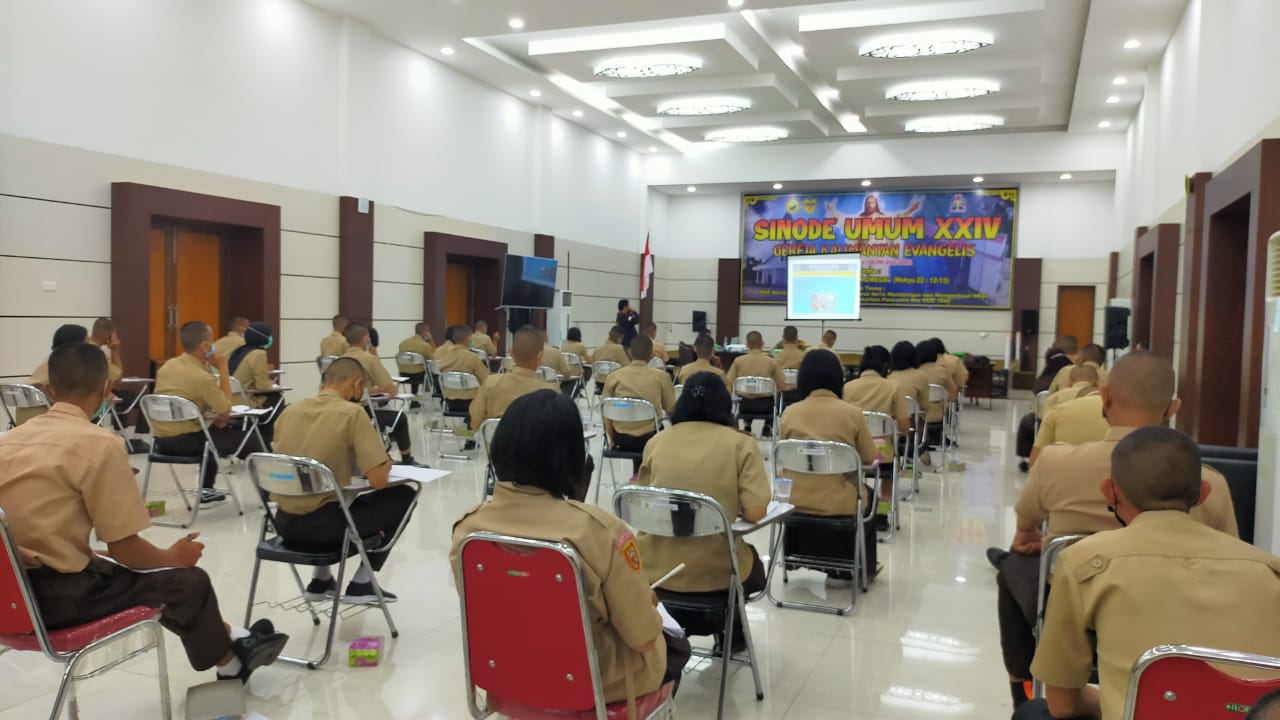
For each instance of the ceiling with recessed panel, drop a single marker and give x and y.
(665, 75)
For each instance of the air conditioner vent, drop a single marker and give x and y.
(1273, 266)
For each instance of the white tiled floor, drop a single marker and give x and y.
(922, 643)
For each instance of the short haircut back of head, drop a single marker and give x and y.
(790, 334)
(527, 344)
(342, 370)
(1068, 344)
(1143, 381)
(1094, 353)
(642, 348)
(704, 346)
(755, 340)
(354, 333)
(192, 334)
(77, 370)
(1267, 707)
(1158, 468)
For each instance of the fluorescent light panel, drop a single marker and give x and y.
(944, 42)
(941, 90)
(648, 66)
(953, 123)
(641, 38)
(762, 133)
(716, 105)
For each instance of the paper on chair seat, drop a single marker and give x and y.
(417, 474)
(669, 624)
(406, 396)
(400, 379)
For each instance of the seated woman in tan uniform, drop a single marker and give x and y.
(64, 335)
(703, 452)
(543, 474)
(248, 364)
(873, 391)
(823, 415)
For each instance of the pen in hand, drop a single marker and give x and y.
(667, 577)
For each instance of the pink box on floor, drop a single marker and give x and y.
(155, 508)
(365, 651)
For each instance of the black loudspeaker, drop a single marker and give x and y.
(1030, 323)
(1117, 328)
(699, 320)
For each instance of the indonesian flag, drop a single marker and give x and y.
(646, 270)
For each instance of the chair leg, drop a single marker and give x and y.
(302, 590)
(162, 673)
(66, 692)
(746, 632)
(860, 550)
(377, 590)
(600, 469)
(253, 590)
(726, 648)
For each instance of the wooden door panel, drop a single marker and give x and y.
(198, 278)
(457, 293)
(158, 303)
(1075, 312)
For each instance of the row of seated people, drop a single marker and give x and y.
(1161, 563)
(1063, 356)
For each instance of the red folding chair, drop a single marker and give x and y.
(1177, 682)
(21, 628)
(540, 663)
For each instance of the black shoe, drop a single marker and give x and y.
(254, 652)
(262, 628)
(739, 645)
(363, 594)
(415, 405)
(767, 432)
(882, 523)
(320, 590)
(996, 556)
(209, 496)
(469, 445)
(408, 460)
(1024, 466)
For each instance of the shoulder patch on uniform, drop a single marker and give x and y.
(1090, 567)
(630, 553)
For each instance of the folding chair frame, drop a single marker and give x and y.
(891, 423)
(1048, 559)
(11, 391)
(626, 409)
(1161, 653)
(747, 380)
(208, 455)
(454, 380)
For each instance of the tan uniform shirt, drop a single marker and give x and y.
(913, 383)
(697, 366)
(1073, 422)
(415, 344)
(335, 345)
(375, 373)
(954, 365)
(873, 393)
(1062, 380)
(334, 431)
(480, 341)
(638, 380)
(227, 344)
(823, 416)
(756, 363)
(788, 358)
(937, 375)
(187, 377)
(40, 379)
(714, 460)
(554, 359)
(1076, 390)
(660, 352)
(1164, 579)
(821, 346)
(454, 358)
(499, 391)
(611, 351)
(621, 614)
(578, 349)
(63, 477)
(1065, 487)
(253, 372)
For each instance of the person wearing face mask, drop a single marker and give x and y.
(333, 429)
(64, 478)
(360, 348)
(64, 335)
(248, 364)
(187, 376)
(1063, 489)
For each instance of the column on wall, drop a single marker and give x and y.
(1188, 369)
(355, 258)
(728, 297)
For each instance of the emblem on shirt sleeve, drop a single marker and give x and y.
(630, 553)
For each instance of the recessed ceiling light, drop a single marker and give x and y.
(446, 50)
(622, 134)
(1104, 124)
(1113, 99)
(953, 123)
(515, 23)
(1064, 176)
(925, 45)
(1132, 44)
(691, 189)
(653, 148)
(535, 93)
(704, 106)
(777, 186)
(735, 3)
(866, 183)
(943, 90)
(648, 66)
(1120, 80)
(829, 93)
(577, 113)
(791, 51)
(978, 178)
(761, 133)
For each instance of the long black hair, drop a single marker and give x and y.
(903, 356)
(539, 444)
(875, 357)
(705, 399)
(820, 371)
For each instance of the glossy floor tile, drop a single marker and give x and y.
(922, 643)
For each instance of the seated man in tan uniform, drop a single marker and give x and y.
(499, 391)
(359, 344)
(480, 340)
(659, 350)
(612, 351)
(334, 429)
(641, 382)
(1163, 578)
(65, 478)
(335, 344)
(828, 342)
(455, 356)
(788, 358)
(234, 338)
(756, 363)
(1084, 381)
(1063, 489)
(1073, 422)
(705, 348)
(187, 376)
(419, 342)
(554, 359)
(573, 344)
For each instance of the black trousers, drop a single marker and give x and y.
(458, 405)
(1026, 435)
(757, 406)
(379, 512)
(416, 380)
(678, 653)
(1017, 585)
(188, 605)
(631, 444)
(1036, 710)
(567, 385)
(225, 440)
(821, 542)
(752, 583)
(398, 428)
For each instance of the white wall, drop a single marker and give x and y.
(1066, 219)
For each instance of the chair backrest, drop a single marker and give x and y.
(1048, 560)
(548, 374)
(454, 380)
(657, 363)
(484, 356)
(433, 367)
(816, 457)
(1041, 397)
(679, 391)
(487, 429)
(411, 359)
(237, 389)
(324, 361)
(791, 375)
(572, 359)
(508, 363)
(16, 601)
(169, 408)
(751, 385)
(600, 369)
(880, 424)
(290, 475)
(629, 410)
(937, 393)
(670, 513)
(549, 664)
(1177, 682)
(19, 395)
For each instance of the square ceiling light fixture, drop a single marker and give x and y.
(761, 133)
(704, 106)
(649, 66)
(954, 123)
(926, 45)
(942, 90)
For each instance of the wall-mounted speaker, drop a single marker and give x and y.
(1030, 325)
(1116, 323)
(699, 320)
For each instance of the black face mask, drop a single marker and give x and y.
(1113, 511)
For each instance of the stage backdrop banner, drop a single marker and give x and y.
(926, 248)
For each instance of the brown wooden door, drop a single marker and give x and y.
(1075, 312)
(457, 293)
(186, 285)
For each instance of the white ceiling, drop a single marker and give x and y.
(1054, 60)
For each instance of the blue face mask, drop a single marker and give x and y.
(103, 407)
(209, 354)
(368, 346)
(270, 341)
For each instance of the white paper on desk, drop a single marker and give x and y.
(147, 571)
(246, 410)
(417, 474)
(407, 396)
(669, 625)
(775, 509)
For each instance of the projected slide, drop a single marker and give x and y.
(824, 287)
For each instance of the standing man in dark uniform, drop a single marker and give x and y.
(628, 321)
